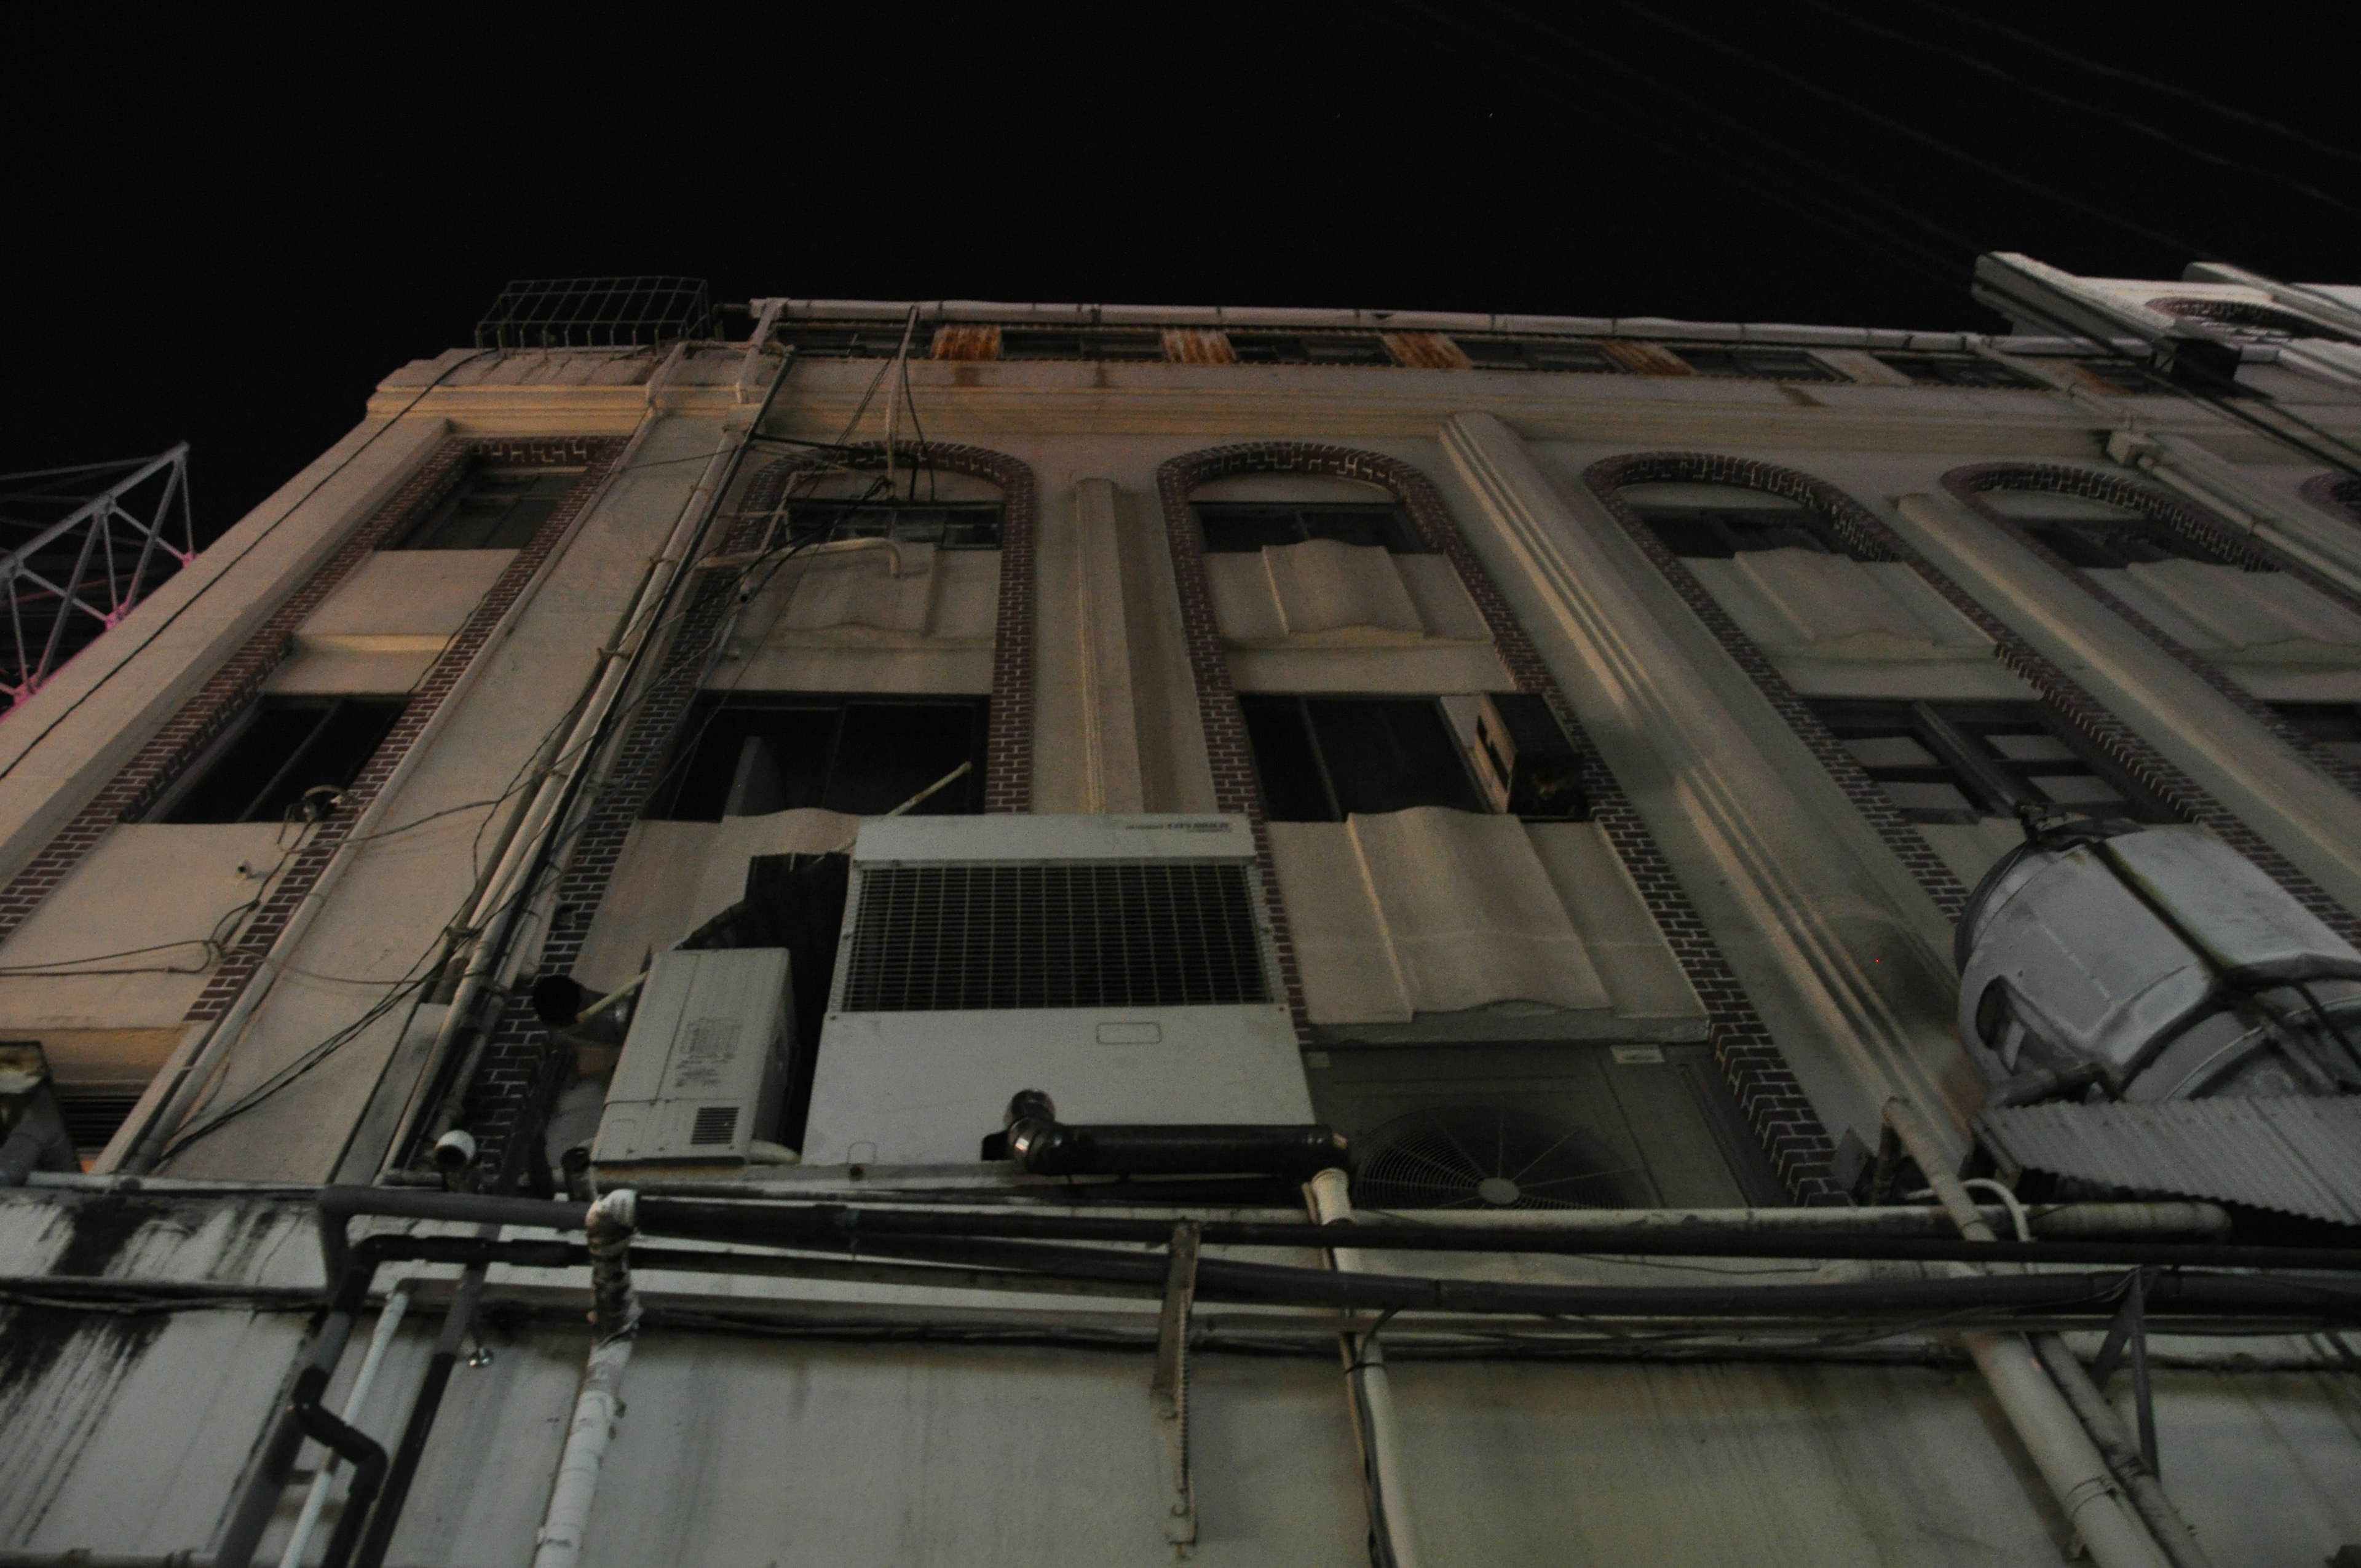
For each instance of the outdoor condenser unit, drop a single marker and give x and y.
(703, 1072)
(2160, 962)
(1526, 764)
(1121, 964)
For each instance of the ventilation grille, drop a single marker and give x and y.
(714, 1125)
(92, 1115)
(1105, 934)
(1486, 1157)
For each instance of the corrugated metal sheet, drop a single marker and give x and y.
(959, 342)
(2297, 1156)
(1197, 345)
(1645, 358)
(1425, 350)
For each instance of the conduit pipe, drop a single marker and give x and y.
(205, 1061)
(614, 1315)
(1392, 1523)
(2111, 1528)
(388, 1321)
(494, 912)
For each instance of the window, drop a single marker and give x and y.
(2093, 533)
(1536, 354)
(1955, 762)
(1016, 344)
(2126, 379)
(1269, 348)
(1324, 759)
(2335, 725)
(1247, 526)
(286, 747)
(494, 509)
(1956, 370)
(751, 756)
(952, 525)
(1756, 364)
(877, 340)
(1710, 533)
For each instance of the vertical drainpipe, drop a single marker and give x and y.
(1393, 1531)
(614, 1315)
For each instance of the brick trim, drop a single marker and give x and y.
(2065, 699)
(1759, 1076)
(254, 943)
(2339, 495)
(1857, 528)
(514, 1058)
(225, 696)
(1970, 484)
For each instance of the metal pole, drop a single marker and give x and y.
(1391, 1524)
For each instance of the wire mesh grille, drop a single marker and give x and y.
(1146, 934)
(594, 313)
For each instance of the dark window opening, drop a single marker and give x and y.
(1018, 344)
(1324, 759)
(1959, 761)
(953, 525)
(1757, 364)
(2336, 725)
(2128, 381)
(1233, 527)
(2103, 542)
(287, 747)
(494, 509)
(876, 341)
(751, 756)
(1537, 353)
(1717, 533)
(1272, 349)
(1956, 370)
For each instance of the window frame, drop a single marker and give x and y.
(1090, 344)
(685, 770)
(1814, 525)
(1994, 785)
(848, 509)
(199, 773)
(1264, 348)
(447, 512)
(1405, 527)
(1988, 375)
(1742, 357)
(1530, 351)
(1471, 789)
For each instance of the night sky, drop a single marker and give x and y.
(227, 226)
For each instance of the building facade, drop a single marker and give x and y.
(1546, 757)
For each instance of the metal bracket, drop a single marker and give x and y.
(2129, 1331)
(1167, 1390)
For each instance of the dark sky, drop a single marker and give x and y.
(226, 226)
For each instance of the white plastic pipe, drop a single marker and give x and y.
(1372, 1386)
(388, 1320)
(595, 1411)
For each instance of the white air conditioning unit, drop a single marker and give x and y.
(1123, 964)
(703, 1070)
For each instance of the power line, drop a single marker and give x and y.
(2068, 100)
(1909, 132)
(2116, 72)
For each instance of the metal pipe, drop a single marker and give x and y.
(388, 1321)
(2055, 1220)
(2122, 1456)
(260, 1498)
(2112, 1529)
(1392, 1526)
(494, 912)
(614, 1316)
(456, 1319)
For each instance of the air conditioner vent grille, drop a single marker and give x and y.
(714, 1125)
(1102, 934)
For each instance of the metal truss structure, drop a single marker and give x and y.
(82, 545)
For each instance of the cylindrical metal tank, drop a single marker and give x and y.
(2161, 957)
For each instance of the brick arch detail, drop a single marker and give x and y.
(1859, 530)
(1972, 484)
(2052, 686)
(515, 1061)
(1758, 1075)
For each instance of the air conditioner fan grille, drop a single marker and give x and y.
(1482, 1157)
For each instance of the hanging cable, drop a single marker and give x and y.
(2068, 101)
(2118, 73)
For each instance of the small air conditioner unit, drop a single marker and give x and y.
(1525, 763)
(703, 1070)
(1122, 964)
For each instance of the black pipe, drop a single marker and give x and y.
(355, 1446)
(421, 1424)
(1046, 1147)
(340, 1205)
(832, 1224)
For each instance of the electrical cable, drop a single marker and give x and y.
(2067, 100)
(1756, 62)
(2119, 73)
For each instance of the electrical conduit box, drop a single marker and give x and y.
(703, 1072)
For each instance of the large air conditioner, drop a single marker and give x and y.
(1122, 964)
(703, 1072)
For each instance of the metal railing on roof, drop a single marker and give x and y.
(596, 312)
(82, 546)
